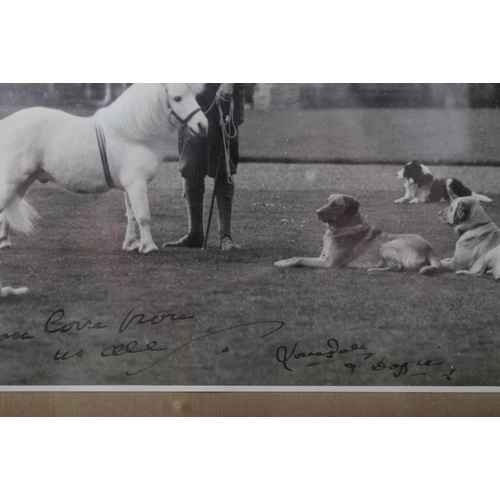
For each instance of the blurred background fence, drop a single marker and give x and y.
(455, 124)
(265, 96)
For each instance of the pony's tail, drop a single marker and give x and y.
(20, 215)
(481, 197)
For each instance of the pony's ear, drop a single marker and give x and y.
(351, 205)
(461, 213)
(199, 88)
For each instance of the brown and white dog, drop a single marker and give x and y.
(350, 242)
(478, 247)
(422, 187)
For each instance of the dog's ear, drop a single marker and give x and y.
(461, 213)
(351, 205)
(421, 178)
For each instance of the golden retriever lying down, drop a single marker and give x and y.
(5, 291)
(350, 242)
(478, 247)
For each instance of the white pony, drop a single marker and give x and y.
(49, 145)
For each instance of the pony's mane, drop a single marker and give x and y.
(142, 111)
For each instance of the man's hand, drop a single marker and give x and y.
(225, 91)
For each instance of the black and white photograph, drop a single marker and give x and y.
(250, 236)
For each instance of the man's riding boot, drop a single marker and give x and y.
(224, 195)
(194, 191)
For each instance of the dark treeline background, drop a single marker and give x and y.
(283, 95)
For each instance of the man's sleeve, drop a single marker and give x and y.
(239, 103)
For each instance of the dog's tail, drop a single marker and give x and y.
(434, 265)
(20, 215)
(481, 197)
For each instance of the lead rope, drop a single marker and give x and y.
(227, 135)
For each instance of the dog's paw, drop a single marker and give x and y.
(5, 244)
(287, 262)
(414, 200)
(280, 263)
(463, 272)
(400, 200)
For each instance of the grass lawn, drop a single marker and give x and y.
(74, 261)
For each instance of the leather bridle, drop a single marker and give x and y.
(184, 121)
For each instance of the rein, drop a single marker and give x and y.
(101, 142)
(227, 135)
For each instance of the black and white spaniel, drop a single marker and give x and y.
(422, 187)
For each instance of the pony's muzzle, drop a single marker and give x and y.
(198, 127)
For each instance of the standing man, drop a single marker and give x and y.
(202, 156)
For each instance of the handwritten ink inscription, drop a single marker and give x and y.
(291, 357)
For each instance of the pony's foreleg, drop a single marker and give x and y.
(131, 242)
(138, 196)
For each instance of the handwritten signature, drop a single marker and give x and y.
(286, 356)
(289, 357)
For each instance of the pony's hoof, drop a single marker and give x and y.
(5, 244)
(131, 246)
(149, 248)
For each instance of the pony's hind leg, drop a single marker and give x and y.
(7, 194)
(20, 214)
(131, 242)
(138, 196)
(4, 233)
